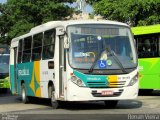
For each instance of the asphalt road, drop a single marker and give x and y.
(147, 104)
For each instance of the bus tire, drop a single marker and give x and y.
(111, 103)
(4, 90)
(55, 103)
(145, 91)
(25, 98)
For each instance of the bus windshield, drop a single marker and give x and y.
(96, 43)
(4, 60)
(4, 63)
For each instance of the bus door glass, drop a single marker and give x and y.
(62, 71)
(15, 70)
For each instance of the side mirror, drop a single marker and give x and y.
(66, 43)
(60, 31)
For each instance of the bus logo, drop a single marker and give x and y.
(23, 72)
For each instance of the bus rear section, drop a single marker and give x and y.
(148, 47)
(4, 67)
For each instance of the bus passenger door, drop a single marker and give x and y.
(15, 69)
(62, 71)
(14, 83)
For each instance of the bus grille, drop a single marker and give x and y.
(117, 84)
(97, 84)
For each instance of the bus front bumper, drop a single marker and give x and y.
(75, 93)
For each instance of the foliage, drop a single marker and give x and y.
(19, 16)
(135, 12)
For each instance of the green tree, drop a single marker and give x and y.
(136, 12)
(19, 16)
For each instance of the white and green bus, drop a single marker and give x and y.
(78, 60)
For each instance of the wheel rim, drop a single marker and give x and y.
(52, 96)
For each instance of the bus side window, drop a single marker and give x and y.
(20, 51)
(140, 44)
(48, 44)
(27, 49)
(37, 46)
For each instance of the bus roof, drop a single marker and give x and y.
(54, 24)
(141, 30)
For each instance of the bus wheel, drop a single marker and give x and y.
(111, 103)
(25, 99)
(55, 104)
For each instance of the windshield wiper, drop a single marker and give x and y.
(117, 61)
(91, 68)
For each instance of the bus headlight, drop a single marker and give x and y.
(133, 80)
(77, 81)
(74, 79)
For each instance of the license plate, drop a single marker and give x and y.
(108, 92)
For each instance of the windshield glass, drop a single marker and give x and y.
(4, 63)
(93, 44)
(4, 59)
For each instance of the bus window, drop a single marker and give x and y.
(26, 49)
(147, 47)
(84, 49)
(86, 46)
(3, 50)
(20, 51)
(37, 46)
(4, 59)
(48, 44)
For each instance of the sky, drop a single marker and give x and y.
(87, 9)
(2, 1)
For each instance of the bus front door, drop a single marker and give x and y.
(62, 70)
(15, 70)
